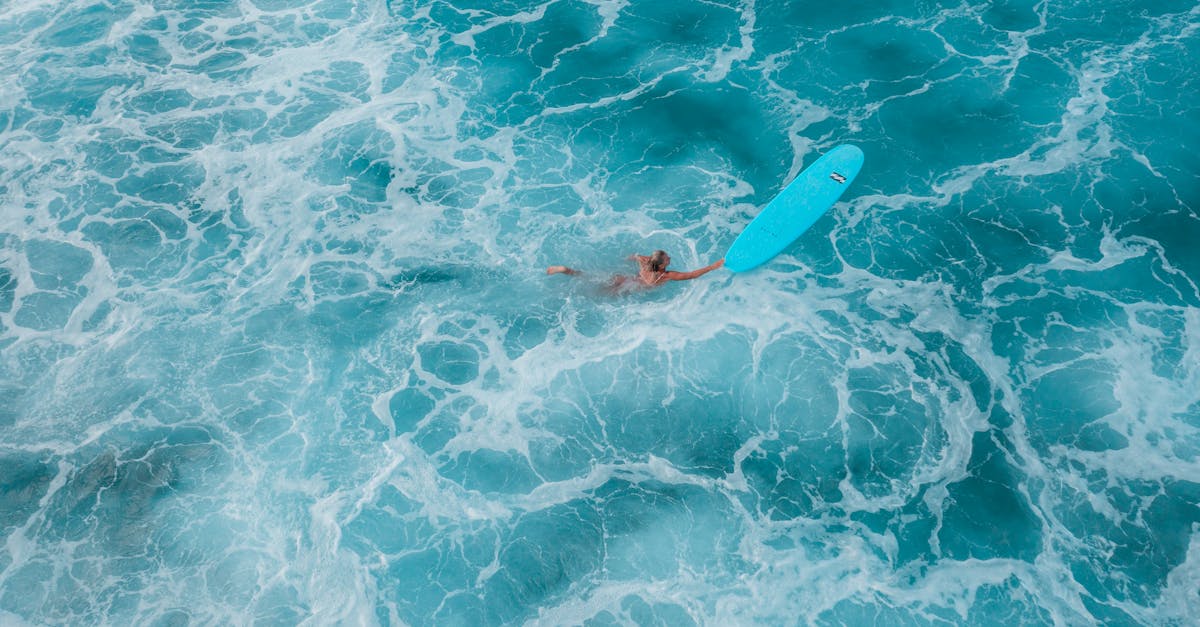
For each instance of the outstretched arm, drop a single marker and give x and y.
(684, 276)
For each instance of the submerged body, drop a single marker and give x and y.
(652, 272)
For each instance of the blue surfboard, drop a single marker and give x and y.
(794, 209)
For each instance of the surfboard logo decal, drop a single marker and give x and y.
(838, 177)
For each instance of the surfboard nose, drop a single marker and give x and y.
(847, 152)
(851, 149)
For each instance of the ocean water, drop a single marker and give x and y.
(277, 346)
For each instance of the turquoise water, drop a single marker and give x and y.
(277, 345)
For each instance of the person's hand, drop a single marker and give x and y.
(719, 263)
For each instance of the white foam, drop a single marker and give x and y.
(278, 524)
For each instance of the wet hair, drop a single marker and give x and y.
(658, 261)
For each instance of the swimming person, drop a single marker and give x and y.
(652, 272)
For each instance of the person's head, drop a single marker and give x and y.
(659, 260)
